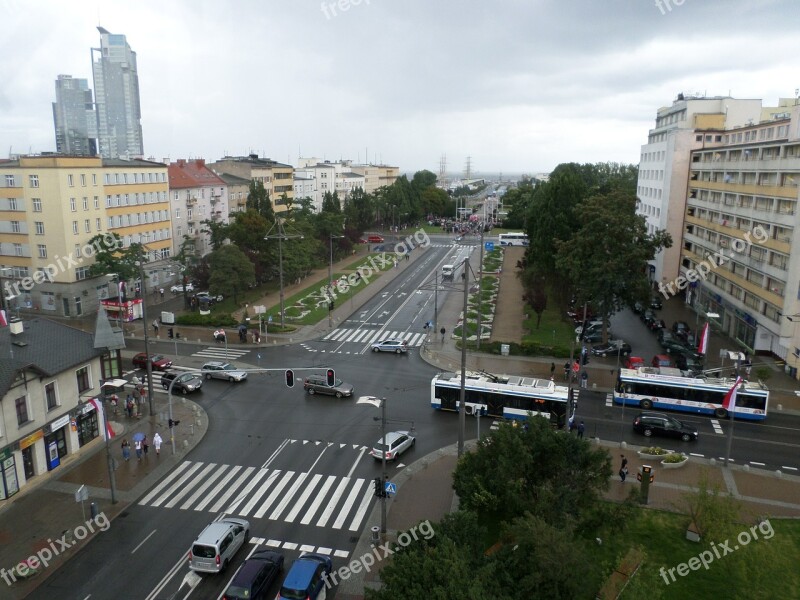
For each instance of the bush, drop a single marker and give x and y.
(527, 349)
(212, 320)
(655, 450)
(674, 458)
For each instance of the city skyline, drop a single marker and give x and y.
(519, 88)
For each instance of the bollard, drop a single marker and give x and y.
(93, 510)
(191, 429)
(185, 443)
(376, 533)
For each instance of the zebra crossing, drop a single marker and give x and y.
(220, 353)
(309, 499)
(368, 336)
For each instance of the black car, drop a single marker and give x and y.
(184, 382)
(673, 346)
(665, 335)
(593, 336)
(657, 325)
(255, 576)
(689, 362)
(681, 328)
(648, 316)
(655, 303)
(655, 423)
(611, 348)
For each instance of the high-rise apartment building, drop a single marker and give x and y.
(116, 88)
(741, 242)
(663, 166)
(74, 117)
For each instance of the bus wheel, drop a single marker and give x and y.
(720, 413)
(646, 404)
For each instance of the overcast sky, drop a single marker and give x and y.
(517, 85)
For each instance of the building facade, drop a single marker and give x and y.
(116, 87)
(238, 189)
(741, 241)
(74, 117)
(376, 176)
(197, 195)
(52, 207)
(276, 177)
(663, 167)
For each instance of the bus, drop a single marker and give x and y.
(666, 388)
(507, 397)
(513, 239)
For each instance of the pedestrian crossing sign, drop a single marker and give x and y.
(390, 487)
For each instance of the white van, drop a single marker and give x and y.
(448, 271)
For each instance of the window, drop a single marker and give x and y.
(96, 202)
(77, 250)
(87, 226)
(97, 225)
(72, 204)
(177, 213)
(83, 180)
(15, 228)
(83, 379)
(21, 404)
(85, 203)
(17, 249)
(81, 273)
(39, 227)
(42, 248)
(74, 228)
(70, 181)
(34, 180)
(12, 204)
(37, 204)
(94, 178)
(50, 395)
(10, 181)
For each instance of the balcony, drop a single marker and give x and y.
(191, 201)
(750, 189)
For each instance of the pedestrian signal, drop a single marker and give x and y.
(330, 377)
(289, 378)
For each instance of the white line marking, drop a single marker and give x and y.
(143, 541)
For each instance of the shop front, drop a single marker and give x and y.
(9, 485)
(55, 442)
(86, 424)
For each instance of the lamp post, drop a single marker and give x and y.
(331, 237)
(280, 236)
(148, 362)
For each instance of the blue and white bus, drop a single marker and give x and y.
(513, 239)
(649, 387)
(508, 397)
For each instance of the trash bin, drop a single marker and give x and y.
(93, 510)
(376, 533)
(170, 333)
(505, 349)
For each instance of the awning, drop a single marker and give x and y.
(114, 383)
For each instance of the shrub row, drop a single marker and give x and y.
(212, 320)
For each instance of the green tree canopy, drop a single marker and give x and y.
(231, 272)
(258, 200)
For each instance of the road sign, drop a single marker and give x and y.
(81, 494)
(390, 488)
(488, 246)
(269, 320)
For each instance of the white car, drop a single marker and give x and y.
(179, 288)
(221, 370)
(396, 346)
(397, 442)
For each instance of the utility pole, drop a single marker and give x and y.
(480, 281)
(149, 362)
(462, 396)
(384, 476)
(280, 236)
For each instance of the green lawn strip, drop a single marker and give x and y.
(554, 330)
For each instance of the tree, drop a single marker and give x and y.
(330, 203)
(218, 232)
(231, 272)
(536, 296)
(434, 201)
(110, 257)
(606, 260)
(258, 200)
(556, 477)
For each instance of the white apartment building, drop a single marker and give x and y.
(663, 167)
(320, 176)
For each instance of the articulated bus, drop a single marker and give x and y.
(513, 239)
(509, 397)
(648, 387)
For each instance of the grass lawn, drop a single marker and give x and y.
(555, 329)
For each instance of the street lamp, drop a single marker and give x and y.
(148, 362)
(331, 237)
(280, 236)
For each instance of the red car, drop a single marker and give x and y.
(375, 239)
(634, 362)
(160, 362)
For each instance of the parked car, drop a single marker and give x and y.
(375, 239)
(217, 544)
(216, 369)
(307, 578)
(362, 241)
(673, 346)
(393, 445)
(634, 362)
(391, 345)
(648, 316)
(665, 335)
(184, 382)
(611, 348)
(680, 328)
(255, 576)
(638, 308)
(159, 362)
(205, 296)
(655, 303)
(318, 384)
(657, 325)
(180, 288)
(688, 362)
(593, 337)
(592, 325)
(655, 423)
(661, 360)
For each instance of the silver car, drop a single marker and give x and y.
(217, 369)
(396, 346)
(395, 443)
(317, 384)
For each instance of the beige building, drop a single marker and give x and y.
(276, 177)
(51, 206)
(376, 176)
(740, 252)
(238, 189)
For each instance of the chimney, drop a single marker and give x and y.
(200, 162)
(15, 325)
(181, 162)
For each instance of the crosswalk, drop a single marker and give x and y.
(220, 353)
(309, 499)
(367, 336)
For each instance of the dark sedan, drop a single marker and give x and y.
(655, 423)
(611, 348)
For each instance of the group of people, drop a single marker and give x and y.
(141, 447)
(574, 425)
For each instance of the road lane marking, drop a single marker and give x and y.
(326, 514)
(232, 490)
(320, 497)
(351, 498)
(143, 541)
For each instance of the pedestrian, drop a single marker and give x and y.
(408, 256)
(566, 371)
(395, 263)
(126, 450)
(584, 379)
(157, 441)
(129, 406)
(161, 292)
(581, 429)
(623, 469)
(114, 402)
(442, 331)
(145, 445)
(155, 326)
(552, 370)
(137, 445)
(571, 423)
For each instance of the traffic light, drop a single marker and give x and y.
(289, 378)
(330, 377)
(377, 483)
(172, 423)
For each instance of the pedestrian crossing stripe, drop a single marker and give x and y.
(609, 399)
(258, 541)
(219, 353)
(369, 336)
(311, 499)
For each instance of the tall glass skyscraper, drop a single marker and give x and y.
(116, 89)
(74, 117)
